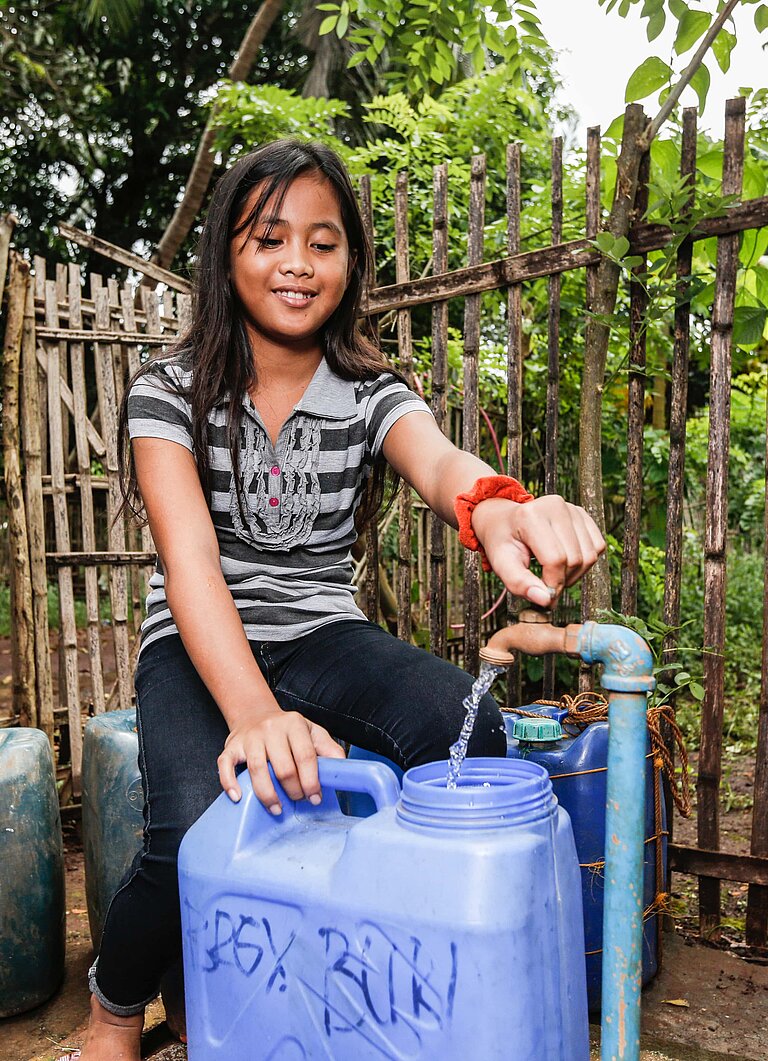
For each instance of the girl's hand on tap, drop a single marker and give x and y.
(562, 537)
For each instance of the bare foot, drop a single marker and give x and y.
(111, 1038)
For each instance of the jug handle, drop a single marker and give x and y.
(358, 775)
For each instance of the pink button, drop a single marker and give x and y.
(274, 502)
(274, 470)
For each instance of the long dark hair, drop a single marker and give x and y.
(215, 348)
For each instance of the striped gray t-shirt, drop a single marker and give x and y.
(287, 563)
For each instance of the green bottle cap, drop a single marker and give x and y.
(537, 730)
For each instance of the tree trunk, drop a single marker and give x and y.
(597, 586)
(202, 168)
(328, 53)
(638, 134)
(7, 224)
(317, 85)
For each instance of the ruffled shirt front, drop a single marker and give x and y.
(286, 556)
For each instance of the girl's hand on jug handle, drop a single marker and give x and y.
(287, 740)
(562, 537)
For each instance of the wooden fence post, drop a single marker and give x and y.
(83, 451)
(633, 502)
(716, 527)
(673, 564)
(554, 284)
(405, 347)
(514, 382)
(22, 622)
(438, 600)
(592, 227)
(372, 531)
(68, 629)
(470, 431)
(118, 592)
(33, 496)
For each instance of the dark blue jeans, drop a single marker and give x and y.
(362, 684)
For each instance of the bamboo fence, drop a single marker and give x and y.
(68, 354)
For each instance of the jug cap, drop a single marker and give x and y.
(537, 730)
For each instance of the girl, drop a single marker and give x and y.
(257, 447)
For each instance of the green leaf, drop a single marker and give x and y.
(754, 243)
(722, 46)
(753, 186)
(605, 242)
(692, 26)
(711, 163)
(678, 8)
(327, 25)
(620, 247)
(748, 324)
(682, 677)
(697, 691)
(650, 76)
(615, 130)
(761, 18)
(700, 85)
(656, 24)
(343, 25)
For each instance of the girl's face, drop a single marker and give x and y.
(290, 280)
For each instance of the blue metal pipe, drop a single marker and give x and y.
(628, 678)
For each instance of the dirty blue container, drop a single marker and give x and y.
(113, 824)
(32, 916)
(112, 809)
(576, 761)
(447, 924)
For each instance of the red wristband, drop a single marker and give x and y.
(464, 505)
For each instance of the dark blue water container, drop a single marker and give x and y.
(112, 809)
(113, 824)
(447, 924)
(576, 760)
(32, 916)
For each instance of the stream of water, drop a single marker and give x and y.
(471, 703)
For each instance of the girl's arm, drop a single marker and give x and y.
(213, 634)
(562, 537)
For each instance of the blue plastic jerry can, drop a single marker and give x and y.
(446, 925)
(112, 809)
(576, 760)
(32, 918)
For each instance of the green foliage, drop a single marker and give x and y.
(424, 43)
(253, 114)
